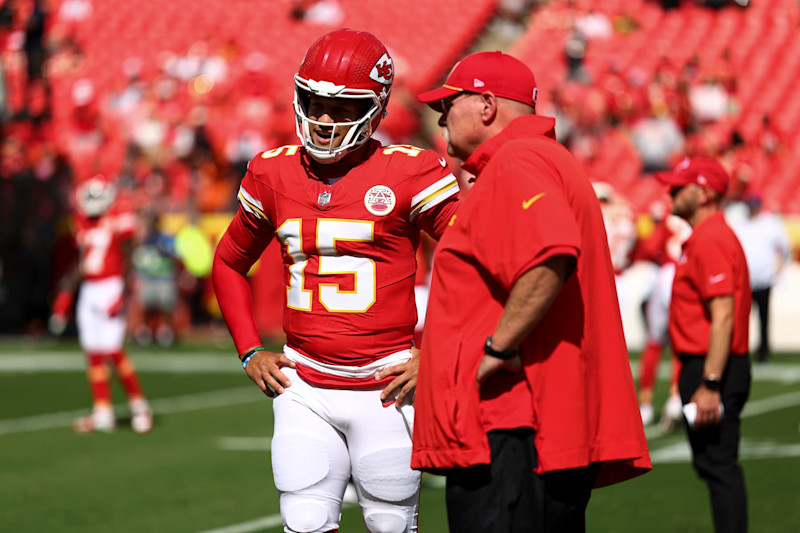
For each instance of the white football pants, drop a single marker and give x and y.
(98, 332)
(323, 437)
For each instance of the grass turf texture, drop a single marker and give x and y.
(205, 466)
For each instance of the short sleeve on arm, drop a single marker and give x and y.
(435, 194)
(523, 218)
(714, 270)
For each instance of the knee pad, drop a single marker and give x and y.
(299, 461)
(387, 475)
(385, 522)
(306, 517)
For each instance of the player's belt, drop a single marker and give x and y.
(345, 371)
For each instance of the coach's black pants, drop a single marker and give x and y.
(715, 449)
(509, 497)
(761, 299)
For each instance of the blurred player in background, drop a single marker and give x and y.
(104, 231)
(348, 213)
(155, 261)
(620, 230)
(663, 248)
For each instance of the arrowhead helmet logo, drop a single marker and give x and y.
(383, 71)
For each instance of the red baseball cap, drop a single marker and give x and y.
(704, 172)
(502, 74)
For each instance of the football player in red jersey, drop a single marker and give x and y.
(348, 212)
(103, 233)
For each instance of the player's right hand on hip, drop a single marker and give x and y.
(264, 369)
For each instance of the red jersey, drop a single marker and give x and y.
(530, 202)
(713, 264)
(100, 241)
(664, 245)
(348, 248)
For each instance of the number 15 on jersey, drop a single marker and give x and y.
(331, 263)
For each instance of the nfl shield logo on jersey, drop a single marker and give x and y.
(324, 198)
(380, 200)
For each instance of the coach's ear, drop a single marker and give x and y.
(488, 107)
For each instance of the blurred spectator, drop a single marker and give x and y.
(767, 249)
(594, 25)
(75, 10)
(319, 12)
(659, 142)
(35, 49)
(575, 53)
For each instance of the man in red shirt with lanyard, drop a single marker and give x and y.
(525, 398)
(708, 328)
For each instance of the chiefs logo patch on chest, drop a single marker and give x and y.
(380, 200)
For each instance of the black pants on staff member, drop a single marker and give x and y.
(715, 449)
(761, 299)
(507, 496)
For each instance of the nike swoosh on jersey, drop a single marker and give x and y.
(443, 162)
(527, 203)
(713, 280)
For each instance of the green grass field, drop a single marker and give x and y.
(206, 466)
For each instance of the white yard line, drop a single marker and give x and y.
(162, 362)
(161, 406)
(680, 452)
(260, 524)
(273, 520)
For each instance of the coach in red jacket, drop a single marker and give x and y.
(525, 398)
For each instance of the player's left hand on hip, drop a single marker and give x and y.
(401, 389)
(490, 364)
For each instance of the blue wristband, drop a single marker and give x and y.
(250, 354)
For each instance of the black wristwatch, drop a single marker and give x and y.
(711, 382)
(505, 354)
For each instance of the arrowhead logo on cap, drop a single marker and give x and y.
(478, 83)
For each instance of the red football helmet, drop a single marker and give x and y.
(95, 195)
(343, 64)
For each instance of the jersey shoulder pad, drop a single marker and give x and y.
(413, 154)
(267, 159)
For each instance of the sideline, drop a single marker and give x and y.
(52, 361)
(217, 363)
(160, 406)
